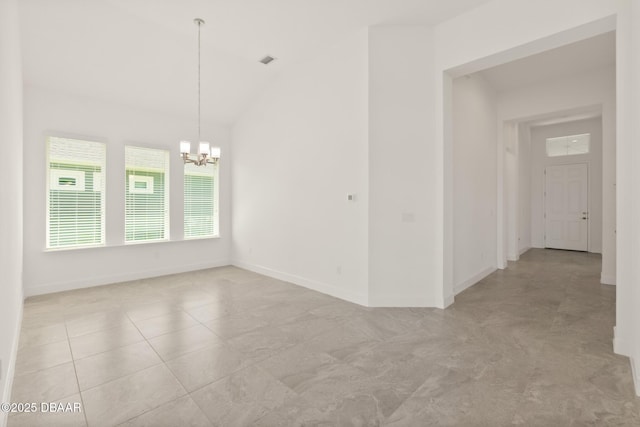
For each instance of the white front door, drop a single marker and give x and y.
(567, 207)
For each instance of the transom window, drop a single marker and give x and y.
(568, 145)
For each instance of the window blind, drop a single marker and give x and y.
(75, 196)
(200, 201)
(146, 194)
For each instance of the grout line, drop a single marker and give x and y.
(84, 408)
(164, 363)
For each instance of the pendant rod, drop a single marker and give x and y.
(199, 22)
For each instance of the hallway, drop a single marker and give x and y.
(529, 345)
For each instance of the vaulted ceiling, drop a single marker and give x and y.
(143, 52)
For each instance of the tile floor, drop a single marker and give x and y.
(530, 345)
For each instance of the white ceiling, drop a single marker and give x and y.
(143, 52)
(572, 59)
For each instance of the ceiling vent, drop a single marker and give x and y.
(267, 59)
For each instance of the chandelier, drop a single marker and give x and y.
(206, 154)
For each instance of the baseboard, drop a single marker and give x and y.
(11, 369)
(116, 278)
(448, 300)
(473, 280)
(606, 279)
(620, 346)
(400, 301)
(636, 377)
(324, 288)
(516, 257)
(525, 249)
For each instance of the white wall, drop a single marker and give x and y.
(475, 166)
(10, 195)
(510, 161)
(592, 89)
(401, 169)
(635, 92)
(297, 153)
(524, 188)
(593, 159)
(50, 113)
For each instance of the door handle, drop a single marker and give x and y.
(584, 217)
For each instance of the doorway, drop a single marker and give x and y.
(490, 224)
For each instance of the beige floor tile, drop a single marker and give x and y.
(309, 326)
(242, 398)
(96, 322)
(528, 345)
(234, 325)
(110, 365)
(165, 323)
(295, 365)
(182, 412)
(108, 339)
(74, 310)
(41, 320)
(149, 310)
(31, 337)
(211, 311)
(47, 385)
(172, 345)
(201, 367)
(262, 343)
(31, 359)
(120, 400)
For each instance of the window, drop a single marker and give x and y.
(568, 145)
(200, 201)
(75, 196)
(146, 195)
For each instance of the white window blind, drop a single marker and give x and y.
(75, 196)
(146, 195)
(200, 201)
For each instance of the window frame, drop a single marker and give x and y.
(567, 138)
(166, 183)
(215, 199)
(102, 164)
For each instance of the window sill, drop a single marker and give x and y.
(131, 244)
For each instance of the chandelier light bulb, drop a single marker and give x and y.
(185, 147)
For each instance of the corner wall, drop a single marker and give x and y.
(524, 189)
(635, 92)
(51, 113)
(402, 168)
(475, 136)
(298, 153)
(10, 195)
